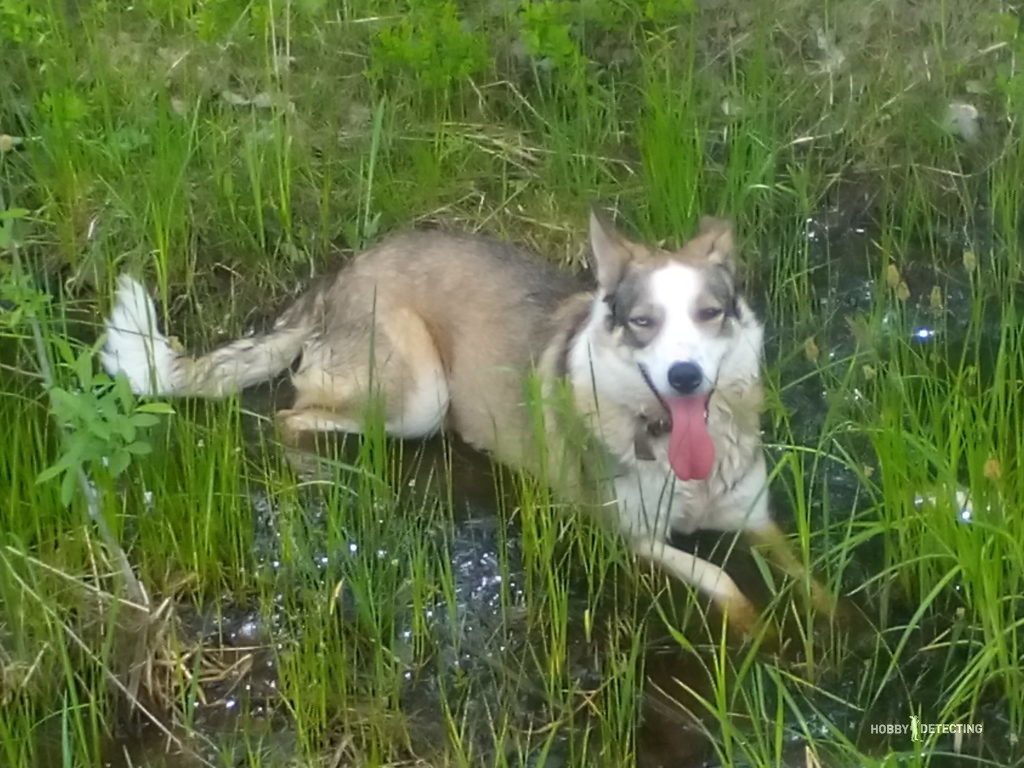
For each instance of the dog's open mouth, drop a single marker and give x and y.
(690, 450)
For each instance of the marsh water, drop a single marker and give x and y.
(479, 631)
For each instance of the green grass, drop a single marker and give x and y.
(226, 151)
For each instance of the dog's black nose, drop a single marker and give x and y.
(685, 377)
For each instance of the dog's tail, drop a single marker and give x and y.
(156, 367)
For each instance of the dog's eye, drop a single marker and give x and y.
(709, 313)
(641, 321)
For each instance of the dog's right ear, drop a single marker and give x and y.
(611, 250)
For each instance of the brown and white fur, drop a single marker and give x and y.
(448, 331)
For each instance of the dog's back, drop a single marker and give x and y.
(486, 308)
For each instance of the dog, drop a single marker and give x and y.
(639, 393)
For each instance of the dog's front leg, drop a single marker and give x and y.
(707, 577)
(779, 551)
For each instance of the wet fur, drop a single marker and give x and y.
(449, 332)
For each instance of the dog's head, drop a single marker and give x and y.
(676, 317)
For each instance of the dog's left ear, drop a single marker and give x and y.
(611, 250)
(721, 242)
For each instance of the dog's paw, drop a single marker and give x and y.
(291, 425)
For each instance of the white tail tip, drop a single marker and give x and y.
(134, 345)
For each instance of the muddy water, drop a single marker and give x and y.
(484, 628)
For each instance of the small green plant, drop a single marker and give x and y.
(20, 22)
(432, 46)
(548, 34)
(104, 424)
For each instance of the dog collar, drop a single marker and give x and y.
(646, 428)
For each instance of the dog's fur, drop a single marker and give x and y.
(579, 386)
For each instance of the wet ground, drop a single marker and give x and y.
(480, 635)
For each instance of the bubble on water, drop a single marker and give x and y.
(248, 631)
(964, 508)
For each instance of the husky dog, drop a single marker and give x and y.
(647, 385)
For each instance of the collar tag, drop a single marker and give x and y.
(645, 430)
(642, 447)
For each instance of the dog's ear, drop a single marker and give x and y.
(721, 251)
(721, 242)
(611, 250)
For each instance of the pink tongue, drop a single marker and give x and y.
(690, 450)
